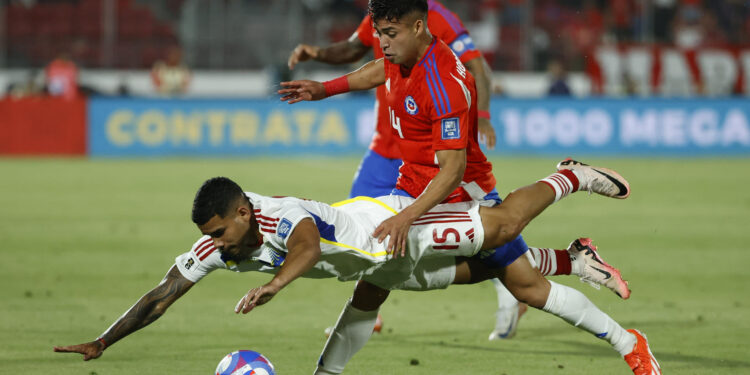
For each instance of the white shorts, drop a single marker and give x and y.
(429, 274)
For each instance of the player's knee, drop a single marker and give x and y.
(510, 231)
(533, 294)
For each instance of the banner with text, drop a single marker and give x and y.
(623, 126)
(164, 127)
(642, 69)
(193, 127)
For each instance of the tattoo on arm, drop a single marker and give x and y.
(149, 307)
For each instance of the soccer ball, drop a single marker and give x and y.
(245, 362)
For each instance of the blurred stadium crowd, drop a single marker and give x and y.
(515, 35)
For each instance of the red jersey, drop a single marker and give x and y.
(444, 25)
(433, 107)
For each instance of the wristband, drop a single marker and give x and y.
(483, 114)
(336, 86)
(101, 340)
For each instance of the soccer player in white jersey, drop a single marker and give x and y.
(306, 238)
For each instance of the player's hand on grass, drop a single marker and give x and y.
(90, 350)
(486, 133)
(397, 227)
(255, 297)
(302, 52)
(297, 91)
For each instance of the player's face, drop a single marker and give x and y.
(235, 235)
(398, 39)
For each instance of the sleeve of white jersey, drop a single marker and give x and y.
(289, 216)
(202, 258)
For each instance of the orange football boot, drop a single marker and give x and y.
(641, 360)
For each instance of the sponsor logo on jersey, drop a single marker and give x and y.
(283, 229)
(411, 105)
(450, 128)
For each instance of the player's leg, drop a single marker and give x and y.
(509, 310)
(528, 285)
(355, 324)
(353, 328)
(504, 222)
(376, 176)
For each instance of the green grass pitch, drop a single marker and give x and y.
(82, 240)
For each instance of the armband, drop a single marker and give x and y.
(336, 86)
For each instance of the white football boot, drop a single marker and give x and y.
(506, 322)
(593, 270)
(598, 180)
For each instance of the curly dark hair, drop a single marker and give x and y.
(394, 10)
(215, 197)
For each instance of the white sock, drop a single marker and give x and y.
(505, 299)
(573, 307)
(350, 334)
(563, 182)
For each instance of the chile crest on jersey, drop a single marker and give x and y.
(411, 105)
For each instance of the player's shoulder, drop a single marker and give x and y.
(272, 205)
(365, 31)
(443, 21)
(277, 216)
(443, 60)
(202, 258)
(203, 247)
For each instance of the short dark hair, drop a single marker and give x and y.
(394, 10)
(216, 196)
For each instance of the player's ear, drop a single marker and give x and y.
(418, 26)
(244, 212)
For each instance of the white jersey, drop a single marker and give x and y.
(348, 249)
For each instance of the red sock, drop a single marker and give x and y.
(551, 261)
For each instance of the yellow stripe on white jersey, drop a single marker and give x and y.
(368, 199)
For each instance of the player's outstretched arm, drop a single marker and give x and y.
(303, 252)
(149, 308)
(343, 52)
(482, 73)
(368, 76)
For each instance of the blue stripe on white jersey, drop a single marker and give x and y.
(327, 231)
